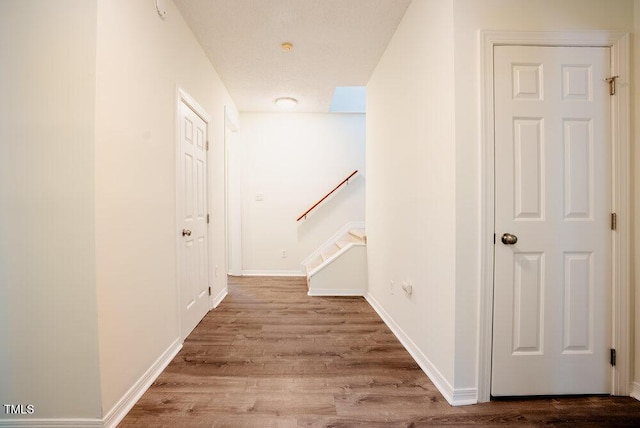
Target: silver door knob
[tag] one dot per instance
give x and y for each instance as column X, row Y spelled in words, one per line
column 509, row 239
column 186, row 232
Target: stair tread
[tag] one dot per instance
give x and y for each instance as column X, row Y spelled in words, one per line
column 358, row 234
column 317, row 261
column 342, row 243
column 330, row 251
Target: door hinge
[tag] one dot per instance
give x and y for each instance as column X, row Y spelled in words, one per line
column 206, row 145
column 209, row 291
column 612, row 357
column 207, row 218
column 612, row 84
column 494, row 239
column 614, row 221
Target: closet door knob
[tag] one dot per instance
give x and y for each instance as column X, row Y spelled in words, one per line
column 509, row 239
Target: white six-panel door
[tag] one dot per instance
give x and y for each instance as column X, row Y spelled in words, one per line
column 192, row 220
column 552, row 291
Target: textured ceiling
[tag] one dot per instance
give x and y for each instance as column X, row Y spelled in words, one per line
column 336, row 43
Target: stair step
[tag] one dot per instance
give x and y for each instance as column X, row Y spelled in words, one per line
column 359, row 234
column 330, row 252
column 342, row 243
column 317, row 261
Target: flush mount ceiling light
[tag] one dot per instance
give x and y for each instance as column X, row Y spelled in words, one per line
column 287, row 47
column 286, row 102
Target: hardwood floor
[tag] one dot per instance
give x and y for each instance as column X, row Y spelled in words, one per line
column 270, row 356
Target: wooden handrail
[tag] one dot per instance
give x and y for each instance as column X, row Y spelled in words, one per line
column 327, row 195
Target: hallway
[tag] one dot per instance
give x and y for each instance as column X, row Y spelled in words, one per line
column 270, row 356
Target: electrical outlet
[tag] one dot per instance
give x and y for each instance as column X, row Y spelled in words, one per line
column 216, row 271
column 284, row 254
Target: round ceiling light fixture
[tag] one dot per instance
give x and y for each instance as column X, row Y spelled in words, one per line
column 287, row 47
column 286, row 102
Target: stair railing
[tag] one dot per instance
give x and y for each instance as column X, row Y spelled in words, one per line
column 343, row 182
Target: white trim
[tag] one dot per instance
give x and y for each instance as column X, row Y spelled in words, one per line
column 257, row 272
column 460, row 397
column 126, row 403
column 619, row 43
column 191, row 102
column 46, row 423
column 464, row 396
column 233, row 241
column 220, row 297
column 635, row 390
column 231, row 121
column 621, row 125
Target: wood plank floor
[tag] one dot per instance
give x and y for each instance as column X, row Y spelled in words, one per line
column 270, row 356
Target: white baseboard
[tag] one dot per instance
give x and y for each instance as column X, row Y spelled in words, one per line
column 273, row 273
column 126, row 403
column 635, row 390
column 46, row 423
column 464, row 396
column 220, row 297
column 459, row 397
column 328, row 292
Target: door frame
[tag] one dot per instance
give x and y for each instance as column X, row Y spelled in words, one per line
column 233, row 264
column 183, row 97
column 620, row 127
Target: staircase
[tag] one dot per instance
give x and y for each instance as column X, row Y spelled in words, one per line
column 339, row 267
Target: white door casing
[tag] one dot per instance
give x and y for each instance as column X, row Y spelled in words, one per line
column 620, row 113
column 233, row 197
column 192, row 211
column 552, row 292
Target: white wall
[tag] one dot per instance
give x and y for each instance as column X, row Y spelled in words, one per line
column 470, row 17
column 424, row 122
column 292, row 160
column 410, row 206
column 141, row 60
column 48, row 319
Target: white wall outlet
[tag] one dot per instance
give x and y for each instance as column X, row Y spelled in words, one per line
column 259, row 197
column 284, row 254
column 216, row 271
column 407, row 288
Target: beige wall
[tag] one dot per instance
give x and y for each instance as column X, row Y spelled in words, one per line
column 88, row 294
column 48, row 319
column 410, row 197
column 409, row 94
column 87, row 162
column 292, row 160
column 141, row 60
column 472, row 16
column 506, row 15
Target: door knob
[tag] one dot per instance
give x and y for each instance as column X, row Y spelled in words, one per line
column 186, row 232
column 509, row 239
